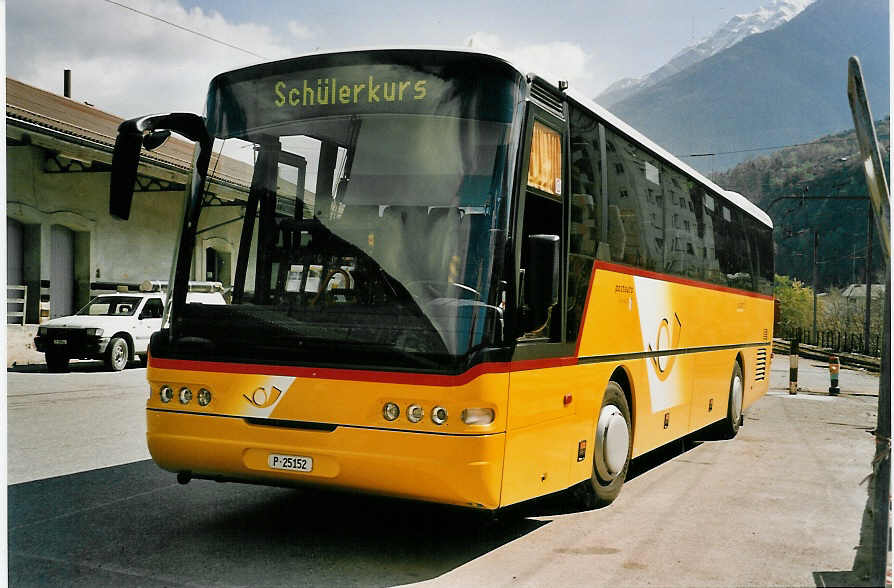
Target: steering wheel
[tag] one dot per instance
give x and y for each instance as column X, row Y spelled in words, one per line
column 325, row 283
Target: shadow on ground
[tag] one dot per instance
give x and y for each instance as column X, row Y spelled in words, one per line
column 81, row 366
column 133, row 524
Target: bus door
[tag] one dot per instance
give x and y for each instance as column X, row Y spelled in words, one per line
column 537, row 453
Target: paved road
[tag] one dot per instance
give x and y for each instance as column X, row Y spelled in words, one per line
column 67, row 423
column 779, row 505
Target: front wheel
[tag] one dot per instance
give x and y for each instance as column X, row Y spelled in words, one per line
column 117, row 354
column 612, row 449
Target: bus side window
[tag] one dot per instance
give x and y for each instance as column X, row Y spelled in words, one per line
column 636, row 205
column 586, row 201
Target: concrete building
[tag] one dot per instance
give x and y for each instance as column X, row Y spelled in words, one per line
column 63, row 247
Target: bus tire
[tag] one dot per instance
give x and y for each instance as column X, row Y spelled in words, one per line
column 117, row 354
column 612, row 449
column 729, row 426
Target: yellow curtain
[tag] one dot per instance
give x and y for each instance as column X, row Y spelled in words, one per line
column 545, row 169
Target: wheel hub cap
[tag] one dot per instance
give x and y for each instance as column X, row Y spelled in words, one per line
column 736, row 400
column 612, row 443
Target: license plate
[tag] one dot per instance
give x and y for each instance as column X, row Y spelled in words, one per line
column 60, row 341
column 293, row 463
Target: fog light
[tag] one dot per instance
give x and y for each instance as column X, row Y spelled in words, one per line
column 414, row 413
column 204, row 397
column 166, row 394
column 439, row 415
column 390, row 411
column 478, row 416
column 185, row 395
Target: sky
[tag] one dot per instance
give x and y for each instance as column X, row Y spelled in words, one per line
column 129, row 64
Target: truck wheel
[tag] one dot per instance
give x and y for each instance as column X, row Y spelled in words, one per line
column 56, row 363
column 612, row 449
column 117, row 354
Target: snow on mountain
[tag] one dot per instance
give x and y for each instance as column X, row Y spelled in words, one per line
column 737, row 28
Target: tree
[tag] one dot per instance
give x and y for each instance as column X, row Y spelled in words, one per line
column 795, row 303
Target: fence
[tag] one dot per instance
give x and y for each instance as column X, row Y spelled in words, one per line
column 13, row 301
column 834, row 340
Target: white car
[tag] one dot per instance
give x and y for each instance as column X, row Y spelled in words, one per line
column 113, row 327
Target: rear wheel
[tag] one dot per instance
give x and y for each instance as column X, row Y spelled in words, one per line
column 729, row 426
column 117, row 354
column 612, row 449
column 57, row 363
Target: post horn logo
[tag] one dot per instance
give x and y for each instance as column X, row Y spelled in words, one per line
column 665, row 340
column 262, row 398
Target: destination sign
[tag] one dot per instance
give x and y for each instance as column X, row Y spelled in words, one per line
column 241, row 106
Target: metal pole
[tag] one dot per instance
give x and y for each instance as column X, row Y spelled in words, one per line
column 868, row 313
column 815, row 266
column 881, row 204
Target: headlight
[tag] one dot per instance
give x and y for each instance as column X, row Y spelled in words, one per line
column 94, row 332
column 414, row 413
column 166, row 394
column 439, row 415
column 478, row 416
column 204, row 397
column 41, row 330
column 390, row 411
column 185, row 395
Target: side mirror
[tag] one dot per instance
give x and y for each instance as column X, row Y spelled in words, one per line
column 541, row 279
column 149, row 132
column 125, row 160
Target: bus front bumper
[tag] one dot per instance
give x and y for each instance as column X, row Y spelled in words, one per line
column 464, row 470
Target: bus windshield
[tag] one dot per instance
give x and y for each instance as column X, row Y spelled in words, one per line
column 377, row 203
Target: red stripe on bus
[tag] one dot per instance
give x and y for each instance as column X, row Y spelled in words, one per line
column 633, row 271
column 384, row 377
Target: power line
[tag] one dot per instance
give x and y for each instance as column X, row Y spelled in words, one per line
column 183, row 28
column 772, row 147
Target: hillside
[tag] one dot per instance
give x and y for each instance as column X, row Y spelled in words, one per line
column 737, row 28
column 780, row 87
column 828, row 166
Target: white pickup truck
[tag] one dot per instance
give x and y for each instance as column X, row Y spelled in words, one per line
column 114, row 327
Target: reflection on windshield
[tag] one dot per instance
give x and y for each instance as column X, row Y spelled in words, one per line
column 111, row 306
column 361, row 230
column 392, row 247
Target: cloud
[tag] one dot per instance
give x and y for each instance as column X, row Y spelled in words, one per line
column 557, row 60
column 126, row 63
column 300, row 31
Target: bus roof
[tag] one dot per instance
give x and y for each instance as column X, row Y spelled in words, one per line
column 734, row 197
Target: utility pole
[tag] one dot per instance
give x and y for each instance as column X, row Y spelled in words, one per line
column 868, row 314
column 815, row 280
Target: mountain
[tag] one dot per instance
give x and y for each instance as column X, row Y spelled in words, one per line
column 823, row 171
column 737, row 28
column 780, row 87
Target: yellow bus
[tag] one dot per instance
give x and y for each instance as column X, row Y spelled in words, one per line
column 451, row 281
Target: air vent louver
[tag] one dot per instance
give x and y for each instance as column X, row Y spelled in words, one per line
column 547, row 100
column 760, row 365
